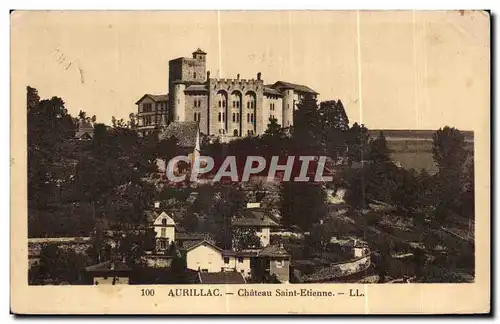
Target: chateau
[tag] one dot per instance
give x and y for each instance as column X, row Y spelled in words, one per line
column 227, row 108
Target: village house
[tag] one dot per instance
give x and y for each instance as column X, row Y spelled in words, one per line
column 84, row 130
column 274, row 260
column 205, row 256
column 111, row 272
column 257, row 219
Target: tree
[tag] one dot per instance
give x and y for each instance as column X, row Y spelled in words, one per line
column 358, row 140
column 449, row 149
column 302, row 204
column 273, row 128
column 378, row 150
column 307, row 128
column 178, row 267
column 245, row 239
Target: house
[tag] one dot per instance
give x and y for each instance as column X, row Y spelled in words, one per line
column 353, row 246
column 256, row 219
column 275, row 260
column 152, row 113
column 108, row 273
column 205, row 256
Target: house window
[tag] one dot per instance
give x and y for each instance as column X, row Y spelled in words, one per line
column 240, row 260
column 163, row 245
column 280, row 264
column 204, row 270
column 146, row 107
column 242, row 271
column 164, row 221
column 226, row 260
column 163, row 232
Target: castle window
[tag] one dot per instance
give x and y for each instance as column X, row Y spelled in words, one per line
column 220, row 103
column 237, row 117
column 234, row 117
column 237, row 104
column 235, row 132
column 248, row 105
column 195, row 115
column 248, row 118
column 224, row 104
column 194, row 75
column 224, row 117
column 220, row 117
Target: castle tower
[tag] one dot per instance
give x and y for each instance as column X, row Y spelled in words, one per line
column 178, row 101
column 288, row 108
column 184, row 71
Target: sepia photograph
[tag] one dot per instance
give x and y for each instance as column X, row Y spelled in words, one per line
column 239, row 155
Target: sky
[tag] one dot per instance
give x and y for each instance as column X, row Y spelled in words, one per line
column 391, row 69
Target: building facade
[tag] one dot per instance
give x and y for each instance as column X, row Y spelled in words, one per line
column 228, row 108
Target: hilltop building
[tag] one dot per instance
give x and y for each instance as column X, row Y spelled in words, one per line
column 228, row 108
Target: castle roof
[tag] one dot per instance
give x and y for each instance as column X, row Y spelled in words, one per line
column 268, row 90
column 282, row 85
column 155, row 98
column 197, row 87
column 186, row 133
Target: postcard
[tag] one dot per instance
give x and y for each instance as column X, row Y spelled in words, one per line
column 250, row 162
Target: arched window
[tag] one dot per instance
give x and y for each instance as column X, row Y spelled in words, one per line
column 222, row 98
column 235, row 132
column 250, row 98
column 236, row 99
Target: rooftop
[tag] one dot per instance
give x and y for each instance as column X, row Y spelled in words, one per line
column 155, row 98
column 274, row 251
column 108, row 266
column 230, row 277
column 280, row 85
column 186, row 133
column 254, row 217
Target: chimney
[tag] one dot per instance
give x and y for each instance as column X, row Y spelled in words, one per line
column 258, row 76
